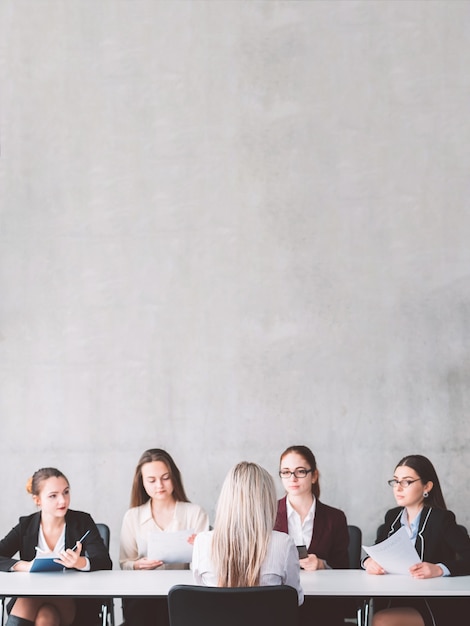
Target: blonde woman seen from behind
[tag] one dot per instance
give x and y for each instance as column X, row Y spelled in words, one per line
column 243, row 550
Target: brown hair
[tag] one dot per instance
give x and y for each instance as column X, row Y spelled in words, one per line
column 139, row 495
column 33, row 485
column 308, row 455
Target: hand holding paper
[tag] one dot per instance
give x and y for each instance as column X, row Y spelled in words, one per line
column 372, row 567
column 147, row 564
column 396, row 554
column 171, row 547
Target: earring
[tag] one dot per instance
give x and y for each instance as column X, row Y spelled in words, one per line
column 425, row 494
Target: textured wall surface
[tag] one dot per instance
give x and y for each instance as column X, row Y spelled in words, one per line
column 228, row 227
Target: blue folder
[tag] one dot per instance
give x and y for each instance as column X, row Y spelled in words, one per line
column 46, row 564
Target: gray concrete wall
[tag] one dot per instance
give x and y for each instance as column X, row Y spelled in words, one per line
column 227, row 227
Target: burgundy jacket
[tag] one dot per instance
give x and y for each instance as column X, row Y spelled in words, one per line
column 330, row 539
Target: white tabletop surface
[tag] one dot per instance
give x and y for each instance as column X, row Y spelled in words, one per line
column 118, row 583
column 358, row 583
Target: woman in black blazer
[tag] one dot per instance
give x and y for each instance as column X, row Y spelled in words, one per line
column 54, row 530
column 442, row 545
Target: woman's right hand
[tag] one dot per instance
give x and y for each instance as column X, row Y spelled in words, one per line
column 372, row 567
column 22, row 566
column 145, row 563
column 312, row 563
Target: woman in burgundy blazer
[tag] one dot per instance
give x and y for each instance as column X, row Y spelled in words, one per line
column 321, row 528
column 330, row 538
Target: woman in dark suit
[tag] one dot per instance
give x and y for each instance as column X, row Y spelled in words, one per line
column 442, row 545
column 320, row 528
column 55, row 530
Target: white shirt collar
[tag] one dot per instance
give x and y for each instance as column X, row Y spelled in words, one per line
column 300, row 532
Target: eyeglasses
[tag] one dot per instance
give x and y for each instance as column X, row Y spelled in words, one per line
column 299, row 472
column 402, row 483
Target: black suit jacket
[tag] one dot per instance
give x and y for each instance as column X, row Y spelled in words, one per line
column 439, row 539
column 23, row 538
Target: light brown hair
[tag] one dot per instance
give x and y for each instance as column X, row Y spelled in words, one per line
column 33, row 485
column 139, row 495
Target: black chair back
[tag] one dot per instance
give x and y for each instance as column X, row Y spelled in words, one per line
column 107, row 605
column 194, row 605
column 104, row 531
column 355, row 547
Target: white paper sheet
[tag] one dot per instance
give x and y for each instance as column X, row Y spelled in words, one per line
column 396, row 554
column 171, row 547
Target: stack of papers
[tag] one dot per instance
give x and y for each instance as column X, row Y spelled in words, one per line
column 396, row 554
column 170, row 547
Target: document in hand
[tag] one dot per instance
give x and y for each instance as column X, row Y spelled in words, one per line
column 46, row 564
column 395, row 554
column 170, row 547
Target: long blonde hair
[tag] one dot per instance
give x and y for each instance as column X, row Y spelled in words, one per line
column 244, row 521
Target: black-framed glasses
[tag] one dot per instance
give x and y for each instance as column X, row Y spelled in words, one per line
column 403, row 483
column 299, row 472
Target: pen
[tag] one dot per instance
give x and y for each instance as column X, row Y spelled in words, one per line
column 81, row 539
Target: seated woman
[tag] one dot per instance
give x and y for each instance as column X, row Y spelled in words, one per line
column 243, row 550
column 158, row 505
column 320, row 528
column 54, row 530
column 443, row 546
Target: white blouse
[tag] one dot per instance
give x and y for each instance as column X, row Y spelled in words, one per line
column 280, row 567
column 42, row 549
column 138, row 523
column 302, row 533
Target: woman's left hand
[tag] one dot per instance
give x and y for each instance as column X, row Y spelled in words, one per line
column 312, row 563
column 191, row 539
column 71, row 558
column 425, row 570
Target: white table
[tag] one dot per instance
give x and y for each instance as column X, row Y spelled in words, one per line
column 330, row 583
column 363, row 587
column 101, row 584
column 119, row 583
column 359, row 584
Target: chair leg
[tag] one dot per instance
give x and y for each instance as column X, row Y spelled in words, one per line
column 363, row 613
column 359, row 616
column 104, row 615
column 367, row 611
column 107, row 613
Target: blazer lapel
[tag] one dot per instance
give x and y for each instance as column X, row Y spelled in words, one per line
column 31, row 535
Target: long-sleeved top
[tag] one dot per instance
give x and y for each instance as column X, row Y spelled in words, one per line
column 138, row 523
column 330, row 538
column 23, row 538
column 280, row 567
column 439, row 539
